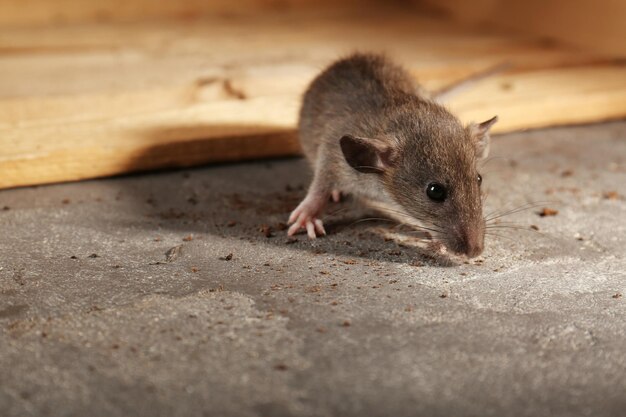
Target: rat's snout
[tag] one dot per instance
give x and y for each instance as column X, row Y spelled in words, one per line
column 469, row 241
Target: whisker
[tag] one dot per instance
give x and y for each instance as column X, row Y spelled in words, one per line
column 523, row 207
column 500, row 236
column 510, row 227
column 493, row 158
column 372, row 219
column 414, row 218
column 499, row 211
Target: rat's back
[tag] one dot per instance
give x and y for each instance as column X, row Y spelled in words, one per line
column 351, row 95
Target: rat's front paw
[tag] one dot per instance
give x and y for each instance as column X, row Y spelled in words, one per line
column 305, row 217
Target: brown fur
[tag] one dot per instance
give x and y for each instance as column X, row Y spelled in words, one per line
column 407, row 140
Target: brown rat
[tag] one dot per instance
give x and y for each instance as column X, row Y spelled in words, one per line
column 368, row 130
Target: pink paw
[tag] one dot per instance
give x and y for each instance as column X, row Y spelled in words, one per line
column 305, row 217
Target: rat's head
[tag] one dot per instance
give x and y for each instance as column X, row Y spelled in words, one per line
column 428, row 164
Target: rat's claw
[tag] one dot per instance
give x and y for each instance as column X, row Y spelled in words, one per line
column 294, row 215
column 301, row 218
column 336, row 195
column 293, row 229
column 319, row 227
column 310, row 229
column 314, row 227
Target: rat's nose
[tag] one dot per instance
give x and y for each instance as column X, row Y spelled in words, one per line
column 470, row 242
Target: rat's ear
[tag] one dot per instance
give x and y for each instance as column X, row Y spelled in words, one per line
column 366, row 155
column 480, row 136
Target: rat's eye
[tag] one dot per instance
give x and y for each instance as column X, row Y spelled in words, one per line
column 436, row 192
column 480, row 179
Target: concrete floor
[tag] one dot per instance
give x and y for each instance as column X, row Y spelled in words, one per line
column 120, row 296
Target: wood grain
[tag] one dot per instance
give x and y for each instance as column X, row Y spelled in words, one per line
column 90, row 100
column 593, row 25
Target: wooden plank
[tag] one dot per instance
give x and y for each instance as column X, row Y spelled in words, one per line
column 99, row 100
column 594, row 25
column 16, row 13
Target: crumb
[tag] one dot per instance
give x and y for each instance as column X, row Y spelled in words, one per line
column 73, row 257
column 334, row 303
column 534, row 227
column 188, row 238
column 280, row 367
column 94, row 255
column 393, row 281
column 616, row 295
column 173, row 253
column 324, row 273
column 194, row 269
column 266, row 230
column 346, row 323
column 408, row 308
column 313, row 289
column 548, row 212
column 65, row 201
column 611, row 195
column 6, row 208
column 219, row 288
column 157, row 239
column 416, row 263
column 567, row 173
column 231, row 223
column 349, row 261
column 227, row 257
column 321, row 329
column 443, row 296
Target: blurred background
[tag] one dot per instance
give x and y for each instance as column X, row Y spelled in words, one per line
column 103, row 87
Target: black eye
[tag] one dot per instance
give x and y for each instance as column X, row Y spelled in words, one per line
column 436, row 192
column 480, row 179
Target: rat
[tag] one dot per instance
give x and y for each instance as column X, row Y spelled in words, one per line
column 368, row 129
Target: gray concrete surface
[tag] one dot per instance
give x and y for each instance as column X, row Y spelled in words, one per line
column 97, row 320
